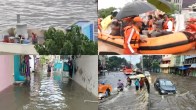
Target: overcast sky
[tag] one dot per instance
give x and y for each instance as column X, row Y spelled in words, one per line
column 133, row 58
column 102, row 4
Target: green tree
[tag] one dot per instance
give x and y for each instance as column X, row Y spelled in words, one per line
column 151, row 62
column 138, row 65
column 105, row 12
column 43, row 59
column 74, row 42
column 116, row 62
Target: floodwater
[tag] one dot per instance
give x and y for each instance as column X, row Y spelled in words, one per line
column 185, row 99
column 45, row 13
column 126, row 100
column 47, row 93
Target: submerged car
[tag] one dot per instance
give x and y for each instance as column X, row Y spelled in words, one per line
column 164, row 86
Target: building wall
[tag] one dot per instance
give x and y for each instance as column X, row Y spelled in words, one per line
column 164, row 70
column 87, row 74
column 6, row 71
column 102, row 58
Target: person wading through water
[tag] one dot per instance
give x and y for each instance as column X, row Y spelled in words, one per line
column 147, row 84
column 49, row 69
column 70, row 67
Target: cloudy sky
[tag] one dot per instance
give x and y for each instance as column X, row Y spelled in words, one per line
column 133, row 58
column 112, row 3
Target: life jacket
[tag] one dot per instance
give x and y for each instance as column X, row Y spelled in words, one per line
column 133, row 32
column 191, row 28
column 173, row 22
column 165, row 27
column 150, row 25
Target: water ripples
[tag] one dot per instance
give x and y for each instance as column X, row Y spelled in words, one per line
column 44, row 13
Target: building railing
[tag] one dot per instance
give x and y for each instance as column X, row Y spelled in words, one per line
column 164, row 65
column 190, row 56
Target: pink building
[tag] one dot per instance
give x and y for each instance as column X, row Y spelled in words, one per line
column 6, row 71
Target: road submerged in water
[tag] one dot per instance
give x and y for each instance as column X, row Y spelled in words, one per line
column 126, row 100
column 184, row 99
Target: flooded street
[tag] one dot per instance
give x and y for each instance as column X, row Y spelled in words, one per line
column 126, row 100
column 184, row 99
column 47, row 93
column 45, row 13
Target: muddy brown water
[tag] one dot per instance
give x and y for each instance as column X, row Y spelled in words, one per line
column 126, row 100
column 45, row 13
column 185, row 99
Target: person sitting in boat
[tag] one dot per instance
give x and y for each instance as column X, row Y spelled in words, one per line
column 150, row 23
column 191, row 25
column 115, row 27
column 132, row 36
column 99, row 23
column 105, row 23
column 167, row 25
column 158, row 28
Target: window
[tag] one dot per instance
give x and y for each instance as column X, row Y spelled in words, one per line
column 166, row 83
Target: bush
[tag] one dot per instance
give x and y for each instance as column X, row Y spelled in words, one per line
column 105, row 12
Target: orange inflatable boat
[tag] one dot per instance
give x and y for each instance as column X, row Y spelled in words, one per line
column 167, row 44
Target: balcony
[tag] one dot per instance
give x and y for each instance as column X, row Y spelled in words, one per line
column 164, row 65
column 190, row 56
column 13, row 48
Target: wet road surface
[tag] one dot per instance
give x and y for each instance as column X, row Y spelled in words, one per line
column 184, row 99
column 126, row 100
column 45, row 13
column 47, row 93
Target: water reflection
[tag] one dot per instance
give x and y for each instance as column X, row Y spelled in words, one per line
column 47, row 93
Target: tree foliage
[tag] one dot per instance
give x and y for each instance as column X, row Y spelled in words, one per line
column 105, row 12
column 152, row 62
column 44, row 59
column 138, row 65
column 72, row 43
column 116, row 62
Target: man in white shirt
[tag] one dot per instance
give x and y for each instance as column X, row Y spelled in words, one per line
column 170, row 26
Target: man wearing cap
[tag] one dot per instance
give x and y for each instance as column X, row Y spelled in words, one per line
column 132, row 36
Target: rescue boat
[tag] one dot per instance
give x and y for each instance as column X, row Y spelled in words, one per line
column 167, row 44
